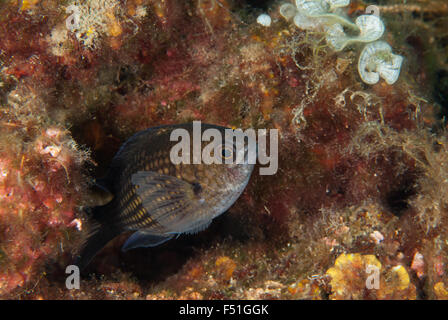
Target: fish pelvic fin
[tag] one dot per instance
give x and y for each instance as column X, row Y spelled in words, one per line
column 145, row 239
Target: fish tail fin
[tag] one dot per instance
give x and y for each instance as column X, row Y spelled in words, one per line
column 99, row 235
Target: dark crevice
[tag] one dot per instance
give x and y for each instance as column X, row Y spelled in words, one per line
column 397, row 199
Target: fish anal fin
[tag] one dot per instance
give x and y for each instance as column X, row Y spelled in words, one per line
column 199, row 227
column 98, row 238
column 144, row 239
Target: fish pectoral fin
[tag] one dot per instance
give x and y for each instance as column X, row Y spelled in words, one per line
column 144, row 239
column 173, row 203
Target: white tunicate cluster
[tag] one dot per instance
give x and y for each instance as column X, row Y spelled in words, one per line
column 328, row 16
column 315, row 14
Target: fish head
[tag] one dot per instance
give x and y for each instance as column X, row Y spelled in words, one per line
column 222, row 182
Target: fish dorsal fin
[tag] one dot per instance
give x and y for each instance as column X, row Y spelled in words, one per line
column 144, row 239
column 173, row 203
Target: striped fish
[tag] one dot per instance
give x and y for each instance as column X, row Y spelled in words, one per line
column 157, row 199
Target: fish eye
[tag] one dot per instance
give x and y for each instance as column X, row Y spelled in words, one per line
column 226, row 152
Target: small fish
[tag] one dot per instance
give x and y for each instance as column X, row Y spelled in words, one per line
column 146, row 193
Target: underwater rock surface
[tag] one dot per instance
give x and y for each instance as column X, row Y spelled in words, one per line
column 362, row 168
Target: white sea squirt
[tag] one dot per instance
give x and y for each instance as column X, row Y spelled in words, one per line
column 264, row 19
column 377, row 60
column 288, row 11
column 371, row 28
